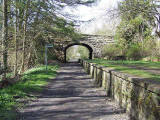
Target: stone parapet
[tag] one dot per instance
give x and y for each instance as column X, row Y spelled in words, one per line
column 139, row 96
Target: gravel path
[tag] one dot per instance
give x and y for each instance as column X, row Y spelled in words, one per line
column 72, row 96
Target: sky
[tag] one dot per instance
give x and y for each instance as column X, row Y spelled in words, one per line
column 92, row 18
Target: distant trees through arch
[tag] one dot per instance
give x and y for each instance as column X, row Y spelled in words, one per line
column 74, row 52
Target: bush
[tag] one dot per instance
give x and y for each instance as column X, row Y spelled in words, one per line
column 134, row 52
column 110, row 51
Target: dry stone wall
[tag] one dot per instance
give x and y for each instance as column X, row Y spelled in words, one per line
column 139, row 96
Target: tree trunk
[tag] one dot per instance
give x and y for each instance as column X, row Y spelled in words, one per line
column 16, row 41
column 4, row 38
column 24, row 38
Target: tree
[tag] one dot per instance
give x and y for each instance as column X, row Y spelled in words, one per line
column 135, row 28
column 16, row 40
column 24, row 35
column 4, row 38
column 129, row 9
column 32, row 24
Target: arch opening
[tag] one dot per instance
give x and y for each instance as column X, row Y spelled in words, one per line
column 76, row 51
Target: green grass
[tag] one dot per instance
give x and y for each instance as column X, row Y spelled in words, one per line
column 125, row 66
column 31, row 82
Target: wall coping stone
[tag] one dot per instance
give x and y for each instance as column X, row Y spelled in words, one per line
column 107, row 69
column 99, row 66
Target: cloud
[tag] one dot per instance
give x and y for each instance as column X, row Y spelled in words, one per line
column 95, row 13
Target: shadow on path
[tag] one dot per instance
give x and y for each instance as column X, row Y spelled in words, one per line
column 72, row 96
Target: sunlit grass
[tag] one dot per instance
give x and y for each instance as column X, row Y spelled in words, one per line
column 126, row 67
column 32, row 81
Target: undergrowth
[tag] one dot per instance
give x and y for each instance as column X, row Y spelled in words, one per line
column 32, row 81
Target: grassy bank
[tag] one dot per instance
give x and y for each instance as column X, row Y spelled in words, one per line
column 32, row 81
column 137, row 68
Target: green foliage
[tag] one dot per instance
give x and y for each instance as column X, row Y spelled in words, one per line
column 133, row 36
column 77, row 52
column 110, row 51
column 62, row 27
column 42, row 24
column 32, row 81
column 133, row 30
column 84, row 52
column 59, row 30
column 130, row 9
column 134, row 52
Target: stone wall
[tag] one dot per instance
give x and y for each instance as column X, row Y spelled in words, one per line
column 139, row 96
column 95, row 42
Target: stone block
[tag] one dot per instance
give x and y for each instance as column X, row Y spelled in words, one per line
column 91, row 70
column 95, row 72
column 98, row 79
column 139, row 96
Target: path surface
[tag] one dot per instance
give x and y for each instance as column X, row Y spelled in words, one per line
column 72, row 96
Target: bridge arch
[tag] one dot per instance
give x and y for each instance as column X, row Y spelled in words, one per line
column 81, row 44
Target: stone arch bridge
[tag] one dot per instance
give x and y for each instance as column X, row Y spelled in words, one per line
column 94, row 43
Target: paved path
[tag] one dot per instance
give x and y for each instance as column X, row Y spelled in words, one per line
column 72, row 96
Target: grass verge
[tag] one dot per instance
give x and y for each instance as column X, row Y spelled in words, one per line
column 32, row 81
column 137, row 68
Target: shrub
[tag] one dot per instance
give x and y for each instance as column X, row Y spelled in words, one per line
column 134, row 38
column 110, row 51
column 134, row 52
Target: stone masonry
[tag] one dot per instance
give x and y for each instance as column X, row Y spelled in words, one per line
column 94, row 43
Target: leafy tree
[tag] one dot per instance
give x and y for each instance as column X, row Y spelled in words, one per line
column 130, row 9
column 135, row 28
column 31, row 25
